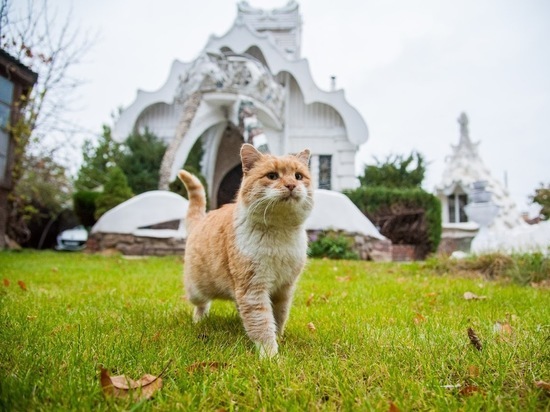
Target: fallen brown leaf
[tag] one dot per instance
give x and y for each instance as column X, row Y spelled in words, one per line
column 213, row 366
column 22, row 285
column 393, row 407
column 419, row 318
column 474, row 339
column 502, row 328
column 469, row 390
column 121, row 386
column 310, row 299
column 543, row 385
column 326, row 296
column 311, row 326
column 6, row 282
column 473, row 371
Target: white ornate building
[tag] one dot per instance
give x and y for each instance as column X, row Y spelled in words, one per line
column 464, row 167
column 250, row 84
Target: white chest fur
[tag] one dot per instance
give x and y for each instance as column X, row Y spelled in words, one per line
column 278, row 253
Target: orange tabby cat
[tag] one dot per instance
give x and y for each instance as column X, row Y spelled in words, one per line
column 251, row 251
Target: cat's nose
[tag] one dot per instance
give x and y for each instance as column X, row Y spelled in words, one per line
column 290, row 187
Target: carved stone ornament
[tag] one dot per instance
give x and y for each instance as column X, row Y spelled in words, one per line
column 232, row 73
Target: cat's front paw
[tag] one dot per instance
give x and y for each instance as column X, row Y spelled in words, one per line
column 268, row 350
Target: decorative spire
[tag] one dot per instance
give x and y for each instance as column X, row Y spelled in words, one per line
column 465, row 145
column 463, row 122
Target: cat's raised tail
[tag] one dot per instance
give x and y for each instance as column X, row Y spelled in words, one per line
column 197, row 199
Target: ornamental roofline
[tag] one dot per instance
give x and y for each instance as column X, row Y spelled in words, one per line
column 239, row 38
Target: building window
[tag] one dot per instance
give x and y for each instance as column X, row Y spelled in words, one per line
column 6, row 97
column 457, row 202
column 325, row 172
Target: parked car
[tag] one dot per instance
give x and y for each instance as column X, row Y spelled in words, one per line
column 72, row 239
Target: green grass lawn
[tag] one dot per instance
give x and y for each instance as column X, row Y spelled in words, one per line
column 361, row 336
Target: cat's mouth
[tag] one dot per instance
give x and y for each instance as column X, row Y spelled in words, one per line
column 291, row 196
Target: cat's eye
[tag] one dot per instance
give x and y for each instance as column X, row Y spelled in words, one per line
column 299, row 176
column 272, row 176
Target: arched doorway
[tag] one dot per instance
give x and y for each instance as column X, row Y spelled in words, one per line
column 230, row 185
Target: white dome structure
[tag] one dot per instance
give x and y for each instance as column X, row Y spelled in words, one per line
column 136, row 215
column 335, row 211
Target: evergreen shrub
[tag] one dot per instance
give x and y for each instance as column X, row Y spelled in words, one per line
column 422, row 229
column 84, row 206
column 332, row 245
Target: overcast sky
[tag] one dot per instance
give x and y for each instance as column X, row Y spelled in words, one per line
column 409, row 67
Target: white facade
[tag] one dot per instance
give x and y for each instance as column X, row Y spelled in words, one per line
column 258, row 62
column 464, row 167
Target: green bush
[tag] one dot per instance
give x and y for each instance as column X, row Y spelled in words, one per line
column 333, row 246
column 419, row 214
column 84, row 207
column 115, row 192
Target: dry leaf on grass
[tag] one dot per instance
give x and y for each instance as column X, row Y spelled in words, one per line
column 310, row 299
column 473, row 371
column 474, row 339
column 22, row 285
column 311, row 326
column 473, row 296
column 419, row 318
column 6, row 282
column 502, row 328
column 543, row 385
column 469, row 390
column 213, row 366
column 393, row 407
column 121, row 386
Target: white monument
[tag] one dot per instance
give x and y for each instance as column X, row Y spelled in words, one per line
column 472, row 198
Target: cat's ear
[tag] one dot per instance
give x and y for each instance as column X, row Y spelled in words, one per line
column 249, row 156
column 303, row 156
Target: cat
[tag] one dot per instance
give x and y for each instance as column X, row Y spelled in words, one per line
column 251, row 251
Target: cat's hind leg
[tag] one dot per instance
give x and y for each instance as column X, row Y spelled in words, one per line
column 201, row 303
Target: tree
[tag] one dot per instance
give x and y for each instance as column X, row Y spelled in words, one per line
column 396, row 171
column 140, row 161
column 542, row 197
column 43, row 193
column 97, row 160
column 116, row 191
column 35, row 35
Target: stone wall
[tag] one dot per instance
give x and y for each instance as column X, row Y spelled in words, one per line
column 135, row 245
column 367, row 248
column 404, row 253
